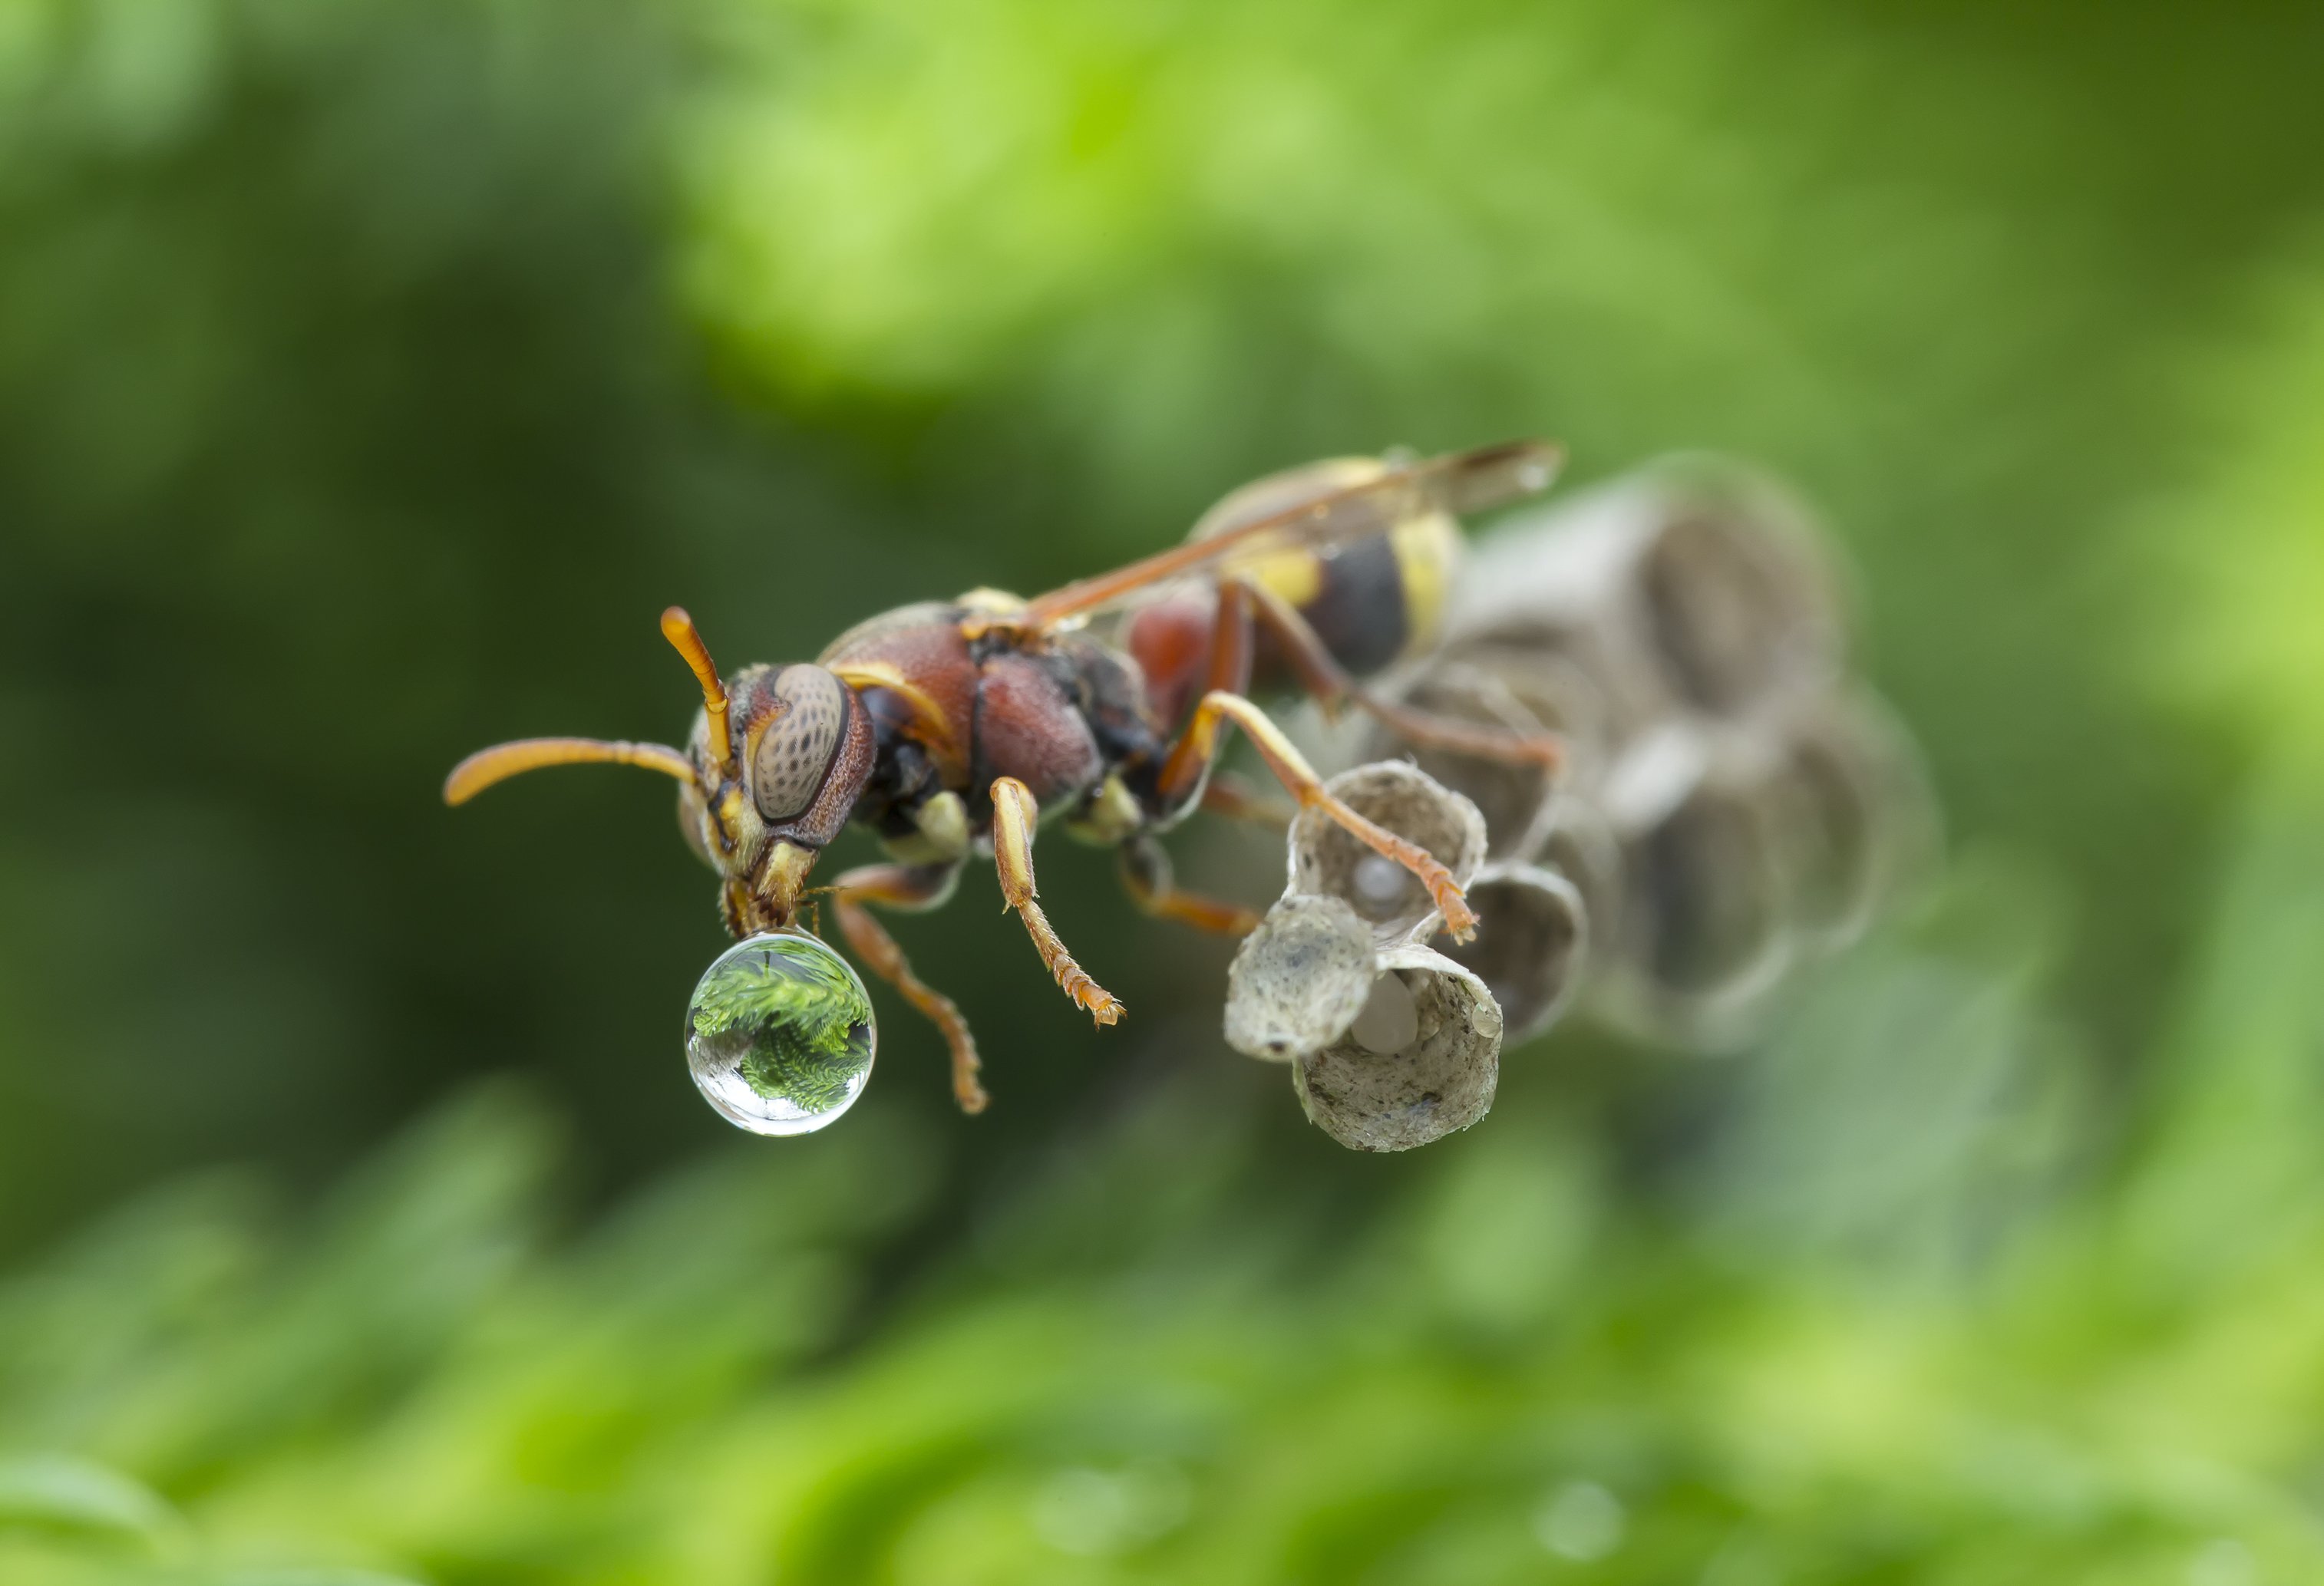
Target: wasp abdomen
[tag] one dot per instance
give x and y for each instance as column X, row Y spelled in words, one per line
column 1359, row 606
column 1374, row 601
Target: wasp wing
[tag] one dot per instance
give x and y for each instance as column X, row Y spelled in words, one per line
column 1456, row 483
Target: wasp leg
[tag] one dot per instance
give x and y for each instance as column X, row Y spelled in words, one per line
column 1013, row 816
column 1228, row 671
column 1226, row 794
column 1192, row 754
column 1146, row 877
column 1322, row 677
column 908, row 887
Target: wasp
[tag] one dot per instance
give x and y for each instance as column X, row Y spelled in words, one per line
column 954, row 729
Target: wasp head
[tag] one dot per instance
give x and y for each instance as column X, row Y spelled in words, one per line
column 768, row 776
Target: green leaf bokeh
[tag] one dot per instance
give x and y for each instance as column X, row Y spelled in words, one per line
column 371, row 374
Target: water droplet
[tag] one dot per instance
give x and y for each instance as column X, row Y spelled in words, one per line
column 779, row 1035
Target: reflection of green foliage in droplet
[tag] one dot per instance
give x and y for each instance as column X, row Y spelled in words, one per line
column 798, row 1012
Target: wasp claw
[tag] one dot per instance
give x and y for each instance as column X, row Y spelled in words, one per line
column 1091, row 998
column 1460, row 919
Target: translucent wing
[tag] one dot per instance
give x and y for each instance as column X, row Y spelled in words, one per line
column 1457, row 482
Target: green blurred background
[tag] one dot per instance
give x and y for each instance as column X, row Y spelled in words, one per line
column 371, row 374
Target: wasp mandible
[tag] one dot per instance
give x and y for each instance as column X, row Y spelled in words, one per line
column 954, row 729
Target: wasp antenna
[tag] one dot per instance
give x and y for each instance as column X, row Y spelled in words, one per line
column 481, row 769
column 679, row 630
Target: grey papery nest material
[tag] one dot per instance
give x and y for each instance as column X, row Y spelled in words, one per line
column 1692, row 586
column 1394, row 1045
column 1578, row 843
column 1299, row 981
column 1531, row 945
column 1747, row 849
column 1857, row 818
column 1329, row 860
column 1731, row 805
column 1421, row 1060
column 1496, row 687
column 1705, row 905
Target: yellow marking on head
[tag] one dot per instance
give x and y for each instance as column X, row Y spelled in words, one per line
column 727, row 816
column 781, row 879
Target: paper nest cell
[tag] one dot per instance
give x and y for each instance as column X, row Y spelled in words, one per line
column 1731, row 804
column 1734, row 803
column 1392, row 1044
column 1328, row 860
column 1421, row 1060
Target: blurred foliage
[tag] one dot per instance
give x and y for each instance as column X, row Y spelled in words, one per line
column 2243, row 538
column 371, row 374
column 1141, row 1366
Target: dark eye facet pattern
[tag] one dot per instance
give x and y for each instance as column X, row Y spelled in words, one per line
column 795, row 750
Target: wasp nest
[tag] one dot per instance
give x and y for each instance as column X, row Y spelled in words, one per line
column 1532, row 931
column 1420, row 1060
column 1301, row 978
column 1327, row 860
column 1731, row 805
column 1392, row 1044
column 1691, row 588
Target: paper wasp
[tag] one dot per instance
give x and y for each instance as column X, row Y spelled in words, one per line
column 951, row 729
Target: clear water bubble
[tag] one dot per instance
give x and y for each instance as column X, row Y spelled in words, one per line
column 780, row 1035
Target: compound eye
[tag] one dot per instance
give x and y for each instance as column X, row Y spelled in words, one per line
column 795, row 749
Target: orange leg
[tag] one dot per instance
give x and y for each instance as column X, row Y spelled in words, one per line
column 1014, row 813
column 1321, row 675
column 1227, row 671
column 904, row 887
column 1146, row 877
column 1226, row 794
column 1199, row 743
